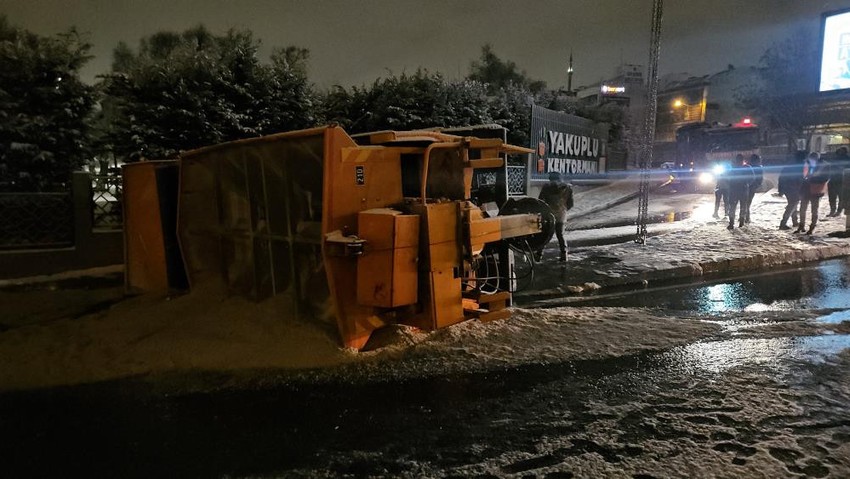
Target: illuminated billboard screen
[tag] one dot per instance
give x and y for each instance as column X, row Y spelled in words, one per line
column 835, row 62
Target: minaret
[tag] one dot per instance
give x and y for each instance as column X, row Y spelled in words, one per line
column 570, row 74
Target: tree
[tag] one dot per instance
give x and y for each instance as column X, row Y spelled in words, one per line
column 180, row 91
column 512, row 93
column 43, row 108
column 499, row 74
column 511, row 108
column 408, row 102
column 784, row 98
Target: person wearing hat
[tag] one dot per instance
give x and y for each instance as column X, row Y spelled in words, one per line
column 559, row 196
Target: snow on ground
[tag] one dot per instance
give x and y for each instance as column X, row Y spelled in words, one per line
column 533, row 337
column 694, row 246
column 153, row 335
column 664, row 415
column 150, row 334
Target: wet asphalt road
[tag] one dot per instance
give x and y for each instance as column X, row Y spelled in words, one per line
column 587, row 418
column 776, row 406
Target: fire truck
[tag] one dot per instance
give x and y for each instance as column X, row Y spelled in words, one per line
column 705, row 150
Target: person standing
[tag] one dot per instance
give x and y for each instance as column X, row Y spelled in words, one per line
column 758, row 179
column 815, row 179
column 837, row 204
column 790, row 183
column 721, row 193
column 740, row 177
column 559, row 197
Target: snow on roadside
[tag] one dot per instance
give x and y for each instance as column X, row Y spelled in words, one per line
column 533, row 337
column 153, row 335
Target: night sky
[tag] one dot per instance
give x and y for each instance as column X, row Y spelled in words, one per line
column 356, row 41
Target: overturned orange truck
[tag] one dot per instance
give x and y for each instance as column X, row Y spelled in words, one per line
column 368, row 230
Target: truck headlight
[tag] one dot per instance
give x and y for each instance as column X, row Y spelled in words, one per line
column 706, row 178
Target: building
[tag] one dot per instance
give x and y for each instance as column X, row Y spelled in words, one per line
column 627, row 88
column 710, row 99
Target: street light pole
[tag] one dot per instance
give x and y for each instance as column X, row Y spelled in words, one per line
column 649, row 122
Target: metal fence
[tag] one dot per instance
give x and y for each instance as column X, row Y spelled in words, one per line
column 36, row 220
column 517, row 180
column 106, row 202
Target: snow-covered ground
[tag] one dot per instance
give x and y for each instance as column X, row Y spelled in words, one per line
column 54, row 336
column 684, row 248
column 561, row 392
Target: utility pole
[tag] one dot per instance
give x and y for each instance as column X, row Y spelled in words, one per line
column 649, row 122
column 570, row 75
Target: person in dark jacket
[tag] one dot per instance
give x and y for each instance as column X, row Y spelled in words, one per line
column 790, row 182
column 815, row 179
column 837, row 204
column 559, row 197
column 740, row 178
column 758, row 178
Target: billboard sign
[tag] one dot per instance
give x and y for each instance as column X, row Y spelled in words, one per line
column 565, row 144
column 613, row 89
column 835, row 53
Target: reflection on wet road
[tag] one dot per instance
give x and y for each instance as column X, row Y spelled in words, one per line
column 776, row 353
column 822, row 286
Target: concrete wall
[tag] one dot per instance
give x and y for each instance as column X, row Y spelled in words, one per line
column 91, row 248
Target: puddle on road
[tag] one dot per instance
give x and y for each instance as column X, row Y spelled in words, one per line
column 836, row 317
column 776, row 353
column 825, row 285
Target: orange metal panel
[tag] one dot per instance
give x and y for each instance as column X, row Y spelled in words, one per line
column 446, row 301
column 487, row 163
column 519, row 225
column 144, row 252
column 407, row 231
column 338, row 213
column 355, row 179
column 389, row 136
column 442, row 256
column 467, row 183
column 387, row 274
column 375, row 279
column 485, row 230
column 481, row 143
column 441, row 222
column 405, row 276
column 377, row 227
